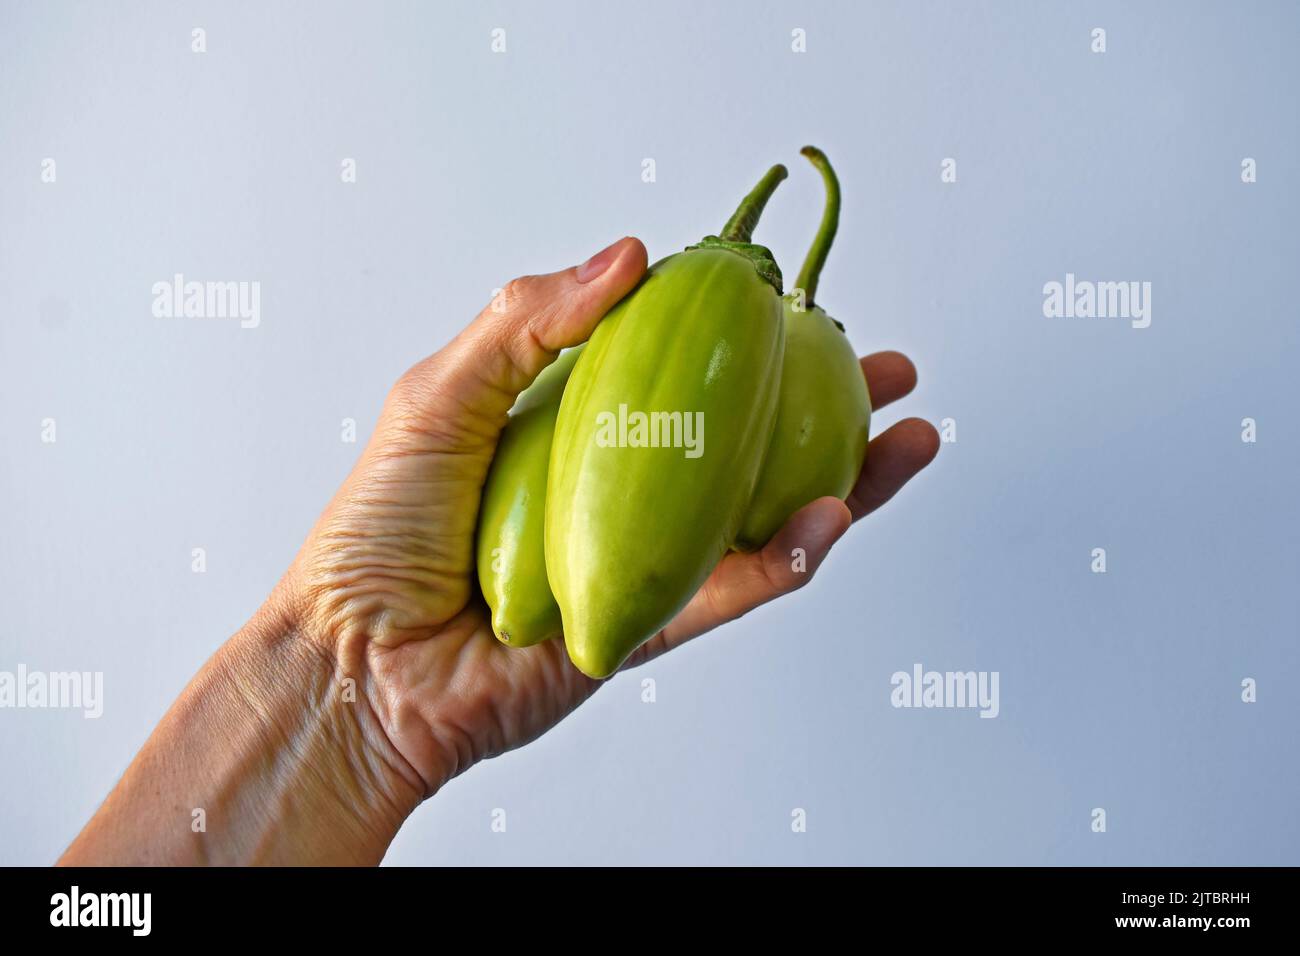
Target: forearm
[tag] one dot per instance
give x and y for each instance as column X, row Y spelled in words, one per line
column 267, row 757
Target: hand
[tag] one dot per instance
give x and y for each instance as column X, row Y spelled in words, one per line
column 387, row 577
column 371, row 675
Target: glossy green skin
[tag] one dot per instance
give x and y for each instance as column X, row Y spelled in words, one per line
column 632, row 533
column 820, row 439
column 512, row 514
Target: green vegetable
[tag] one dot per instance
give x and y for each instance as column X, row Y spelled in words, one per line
column 511, row 558
column 642, row 501
column 820, row 439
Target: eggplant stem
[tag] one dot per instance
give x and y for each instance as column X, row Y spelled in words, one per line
column 740, row 227
column 821, row 245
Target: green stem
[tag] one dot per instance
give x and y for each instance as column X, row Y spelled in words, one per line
column 812, row 266
column 740, row 227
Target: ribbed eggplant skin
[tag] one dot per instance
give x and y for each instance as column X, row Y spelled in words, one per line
column 510, row 545
column 822, row 421
column 632, row 532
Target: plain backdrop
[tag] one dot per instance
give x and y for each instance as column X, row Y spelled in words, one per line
column 1120, row 691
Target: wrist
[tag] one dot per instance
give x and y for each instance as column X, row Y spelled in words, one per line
column 269, row 756
column 336, row 791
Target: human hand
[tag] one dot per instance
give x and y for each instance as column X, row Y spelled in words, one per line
column 385, row 583
column 371, row 675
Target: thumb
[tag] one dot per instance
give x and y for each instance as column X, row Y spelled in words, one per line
column 534, row 317
column 477, row 377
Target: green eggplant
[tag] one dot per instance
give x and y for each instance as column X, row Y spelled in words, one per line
column 511, row 557
column 640, row 507
column 822, row 419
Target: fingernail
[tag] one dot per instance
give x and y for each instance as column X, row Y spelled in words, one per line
column 597, row 264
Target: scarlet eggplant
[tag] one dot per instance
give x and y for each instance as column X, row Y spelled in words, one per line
column 511, row 558
column 639, row 507
column 822, row 419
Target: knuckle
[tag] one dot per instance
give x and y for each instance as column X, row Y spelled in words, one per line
column 411, row 383
column 516, row 352
column 781, row 577
column 516, row 294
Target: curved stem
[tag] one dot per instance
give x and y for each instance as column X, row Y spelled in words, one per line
column 740, row 227
column 812, row 266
